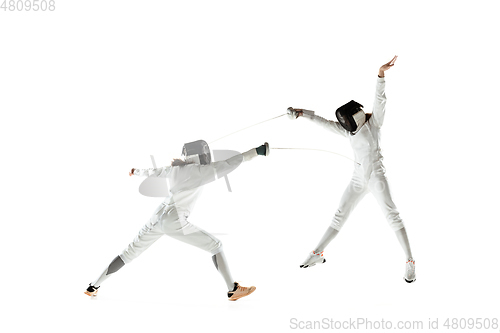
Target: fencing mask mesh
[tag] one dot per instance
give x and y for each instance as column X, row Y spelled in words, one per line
column 197, row 151
column 351, row 116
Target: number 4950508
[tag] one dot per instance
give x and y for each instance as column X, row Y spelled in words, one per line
column 28, row 5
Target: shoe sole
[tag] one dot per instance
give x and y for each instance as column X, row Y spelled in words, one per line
column 410, row 281
column 250, row 291
column 92, row 294
column 305, row 266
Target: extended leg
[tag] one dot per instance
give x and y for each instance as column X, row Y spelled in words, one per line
column 353, row 194
column 146, row 237
column 380, row 189
column 113, row 267
column 329, row 235
column 405, row 243
column 355, row 191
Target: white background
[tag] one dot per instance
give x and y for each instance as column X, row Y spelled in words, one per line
column 94, row 88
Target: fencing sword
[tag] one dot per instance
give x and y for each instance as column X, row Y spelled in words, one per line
column 308, row 112
column 326, row 151
column 247, row 128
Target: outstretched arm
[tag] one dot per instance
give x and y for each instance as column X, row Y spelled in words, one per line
column 224, row 167
column 152, row 172
column 326, row 124
column 380, row 98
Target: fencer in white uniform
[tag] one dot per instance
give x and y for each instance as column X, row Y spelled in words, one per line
column 186, row 179
column 363, row 132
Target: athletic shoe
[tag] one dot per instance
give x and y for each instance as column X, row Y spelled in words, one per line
column 313, row 259
column 239, row 292
column 91, row 290
column 410, row 275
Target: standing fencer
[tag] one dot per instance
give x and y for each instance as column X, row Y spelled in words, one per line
column 363, row 132
column 186, row 177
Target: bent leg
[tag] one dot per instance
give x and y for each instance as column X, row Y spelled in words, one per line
column 176, row 226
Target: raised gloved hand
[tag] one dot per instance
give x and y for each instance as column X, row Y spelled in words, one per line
column 263, row 150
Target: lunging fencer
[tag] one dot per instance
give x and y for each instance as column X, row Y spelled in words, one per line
column 363, row 131
column 186, row 177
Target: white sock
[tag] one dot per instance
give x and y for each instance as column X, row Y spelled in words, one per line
column 114, row 266
column 329, row 235
column 405, row 243
column 220, row 263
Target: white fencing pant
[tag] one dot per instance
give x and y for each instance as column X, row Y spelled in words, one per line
column 166, row 221
column 357, row 189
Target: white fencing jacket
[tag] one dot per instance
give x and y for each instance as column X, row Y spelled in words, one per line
column 186, row 182
column 366, row 141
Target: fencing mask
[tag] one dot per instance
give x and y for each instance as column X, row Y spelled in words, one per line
column 197, row 152
column 351, row 116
